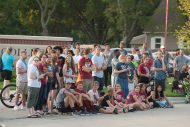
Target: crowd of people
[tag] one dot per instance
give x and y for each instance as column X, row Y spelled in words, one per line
column 81, row 81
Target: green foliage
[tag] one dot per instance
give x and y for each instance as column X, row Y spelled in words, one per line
column 89, row 21
column 183, row 33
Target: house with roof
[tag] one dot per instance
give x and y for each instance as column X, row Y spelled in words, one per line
column 154, row 30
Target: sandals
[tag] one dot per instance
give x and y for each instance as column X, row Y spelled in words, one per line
column 126, row 109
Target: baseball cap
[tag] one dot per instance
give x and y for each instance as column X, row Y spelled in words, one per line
column 162, row 47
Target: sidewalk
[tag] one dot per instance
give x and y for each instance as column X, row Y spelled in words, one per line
column 177, row 100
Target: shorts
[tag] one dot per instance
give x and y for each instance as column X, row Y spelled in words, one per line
column 33, row 95
column 87, row 84
column 22, row 87
column 6, row 74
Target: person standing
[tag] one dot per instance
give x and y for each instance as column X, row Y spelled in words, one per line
column 179, row 62
column 108, row 55
column 8, row 61
column 159, row 68
column 85, row 70
column 122, row 50
column 60, row 63
column 99, row 65
column 122, row 71
column 114, row 61
column 21, row 80
column 34, row 85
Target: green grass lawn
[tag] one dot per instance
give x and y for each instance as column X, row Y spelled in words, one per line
column 167, row 92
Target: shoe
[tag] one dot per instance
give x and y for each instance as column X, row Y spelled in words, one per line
column 16, row 108
column 23, row 107
column 115, row 111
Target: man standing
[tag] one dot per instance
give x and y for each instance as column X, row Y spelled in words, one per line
column 108, row 55
column 122, row 50
column 21, row 80
column 160, row 70
column 100, row 66
column 85, row 70
column 165, row 55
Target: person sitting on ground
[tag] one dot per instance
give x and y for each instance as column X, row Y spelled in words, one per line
column 161, row 99
column 134, row 101
column 150, row 95
column 119, row 95
column 109, row 104
column 84, row 99
column 143, row 96
column 66, row 100
column 94, row 95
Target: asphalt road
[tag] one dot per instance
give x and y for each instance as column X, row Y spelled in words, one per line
column 176, row 117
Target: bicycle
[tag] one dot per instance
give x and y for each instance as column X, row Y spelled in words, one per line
column 9, row 100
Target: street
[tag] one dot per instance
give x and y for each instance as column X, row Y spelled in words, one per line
column 176, row 117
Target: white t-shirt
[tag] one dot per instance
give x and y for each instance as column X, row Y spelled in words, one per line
column 76, row 59
column 23, row 66
column 30, row 61
column 32, row 69
column 93, row 95
column 99, row 61
column 136, row 57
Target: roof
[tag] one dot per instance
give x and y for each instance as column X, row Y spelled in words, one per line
column 156, row 22
column 48, row 38
column 139, row 39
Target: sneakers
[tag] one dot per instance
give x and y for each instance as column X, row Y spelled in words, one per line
column 16, row 108
column 23, row 107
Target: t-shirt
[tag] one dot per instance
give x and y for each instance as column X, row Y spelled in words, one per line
column 130, row 96
column 54, row 69
column 87, row 63
column 143, row 96
column 30, row 60
column 119, row 96
column 104, row 101
column 180, row 61
column 79, row 91
column 108, row 57
column 121, row 66
column 69, row 79
column 143, row 69
column 60, row 63
column 132, row 70
column 22, row 65
column 76, row 58
column 123, row 51
column 114, row 62
column 7, row 61
column 159, row 74
column 99, row 61
column 32, row 69
column 60, row 97
column 94, row 95
column 41, row 68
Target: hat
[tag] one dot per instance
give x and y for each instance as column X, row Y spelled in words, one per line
column 162, row 47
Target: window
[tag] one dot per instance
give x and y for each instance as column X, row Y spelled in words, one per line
column 157, row 42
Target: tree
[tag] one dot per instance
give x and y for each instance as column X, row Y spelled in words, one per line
column 131, row 15
column 47, row 7
column 183, row 33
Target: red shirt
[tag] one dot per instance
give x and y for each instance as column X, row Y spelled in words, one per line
column 143, row 96
column 142, row 68
column 119, row 96
column 130, row 98
column 79, row 91
column 43, row 69
column 88, row 63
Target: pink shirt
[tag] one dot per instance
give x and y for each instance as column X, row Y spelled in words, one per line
column 130, row 97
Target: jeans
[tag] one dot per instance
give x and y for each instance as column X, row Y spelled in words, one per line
column 124, row 85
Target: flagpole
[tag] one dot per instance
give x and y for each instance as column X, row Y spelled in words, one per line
column 166, row 24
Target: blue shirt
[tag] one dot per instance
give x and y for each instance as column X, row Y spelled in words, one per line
column 159, row 74
column 7, row 61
